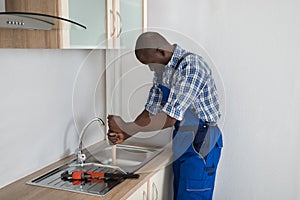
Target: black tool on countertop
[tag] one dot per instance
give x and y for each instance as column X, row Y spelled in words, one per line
column 83, row 175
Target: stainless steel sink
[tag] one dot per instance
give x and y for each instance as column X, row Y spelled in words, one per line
column 129, row 159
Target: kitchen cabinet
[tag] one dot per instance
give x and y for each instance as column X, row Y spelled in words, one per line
column 93, row 14
column 140, row 193
column 130, row 20
column 110, row 24
column 160, row 185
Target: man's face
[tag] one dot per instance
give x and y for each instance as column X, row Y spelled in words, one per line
column 153, row 62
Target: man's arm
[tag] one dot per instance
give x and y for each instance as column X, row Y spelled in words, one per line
column 146, row 122
column 143, row 123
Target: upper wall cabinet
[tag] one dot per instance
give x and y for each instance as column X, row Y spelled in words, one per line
column 130, row 20
column 109, row 24
column 93, row 14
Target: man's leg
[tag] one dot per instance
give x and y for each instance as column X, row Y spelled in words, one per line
column 197, row 177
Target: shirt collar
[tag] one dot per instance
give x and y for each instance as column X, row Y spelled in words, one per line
column 177, row 54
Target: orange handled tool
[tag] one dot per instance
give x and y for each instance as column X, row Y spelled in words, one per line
column 82, row 175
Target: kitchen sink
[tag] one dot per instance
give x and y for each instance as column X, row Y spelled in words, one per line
column 129, row 159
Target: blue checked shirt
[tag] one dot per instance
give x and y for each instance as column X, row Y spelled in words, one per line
column 191, row 86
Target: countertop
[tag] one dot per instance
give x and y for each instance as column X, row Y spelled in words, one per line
column 22, row 191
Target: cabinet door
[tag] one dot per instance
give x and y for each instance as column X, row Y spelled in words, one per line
column 93, row 14
column 139, row 194
column 130, row 20
column 161, row 185
column 132, row 16
column 110, row 23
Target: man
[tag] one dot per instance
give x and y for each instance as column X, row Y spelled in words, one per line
column 183, row 95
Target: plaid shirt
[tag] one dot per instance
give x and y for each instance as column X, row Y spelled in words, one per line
column 191, row 86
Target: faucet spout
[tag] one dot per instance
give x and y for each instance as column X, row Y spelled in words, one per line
column 79, row 155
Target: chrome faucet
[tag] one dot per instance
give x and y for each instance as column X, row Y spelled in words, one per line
column 81, row 157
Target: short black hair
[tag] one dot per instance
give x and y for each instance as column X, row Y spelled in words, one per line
column 149, row 41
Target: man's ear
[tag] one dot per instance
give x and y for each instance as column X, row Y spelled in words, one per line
column 160, row 52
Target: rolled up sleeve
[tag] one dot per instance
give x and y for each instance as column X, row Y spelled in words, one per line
column 153, row 104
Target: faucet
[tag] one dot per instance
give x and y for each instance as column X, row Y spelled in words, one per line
column 81, row 157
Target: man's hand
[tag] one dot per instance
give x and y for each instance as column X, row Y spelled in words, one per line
column 116, row 124
column 117, row 138
column 116, row 134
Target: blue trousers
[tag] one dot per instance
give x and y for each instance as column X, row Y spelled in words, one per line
column 194, row 176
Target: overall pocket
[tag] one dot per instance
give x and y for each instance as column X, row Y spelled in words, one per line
column 206, row 138
column 198, row 189
column 200, row 135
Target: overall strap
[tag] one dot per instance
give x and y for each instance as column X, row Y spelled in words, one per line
column 164, row 89
column 181, row 59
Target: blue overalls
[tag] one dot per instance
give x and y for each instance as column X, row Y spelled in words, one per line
column 197, row 149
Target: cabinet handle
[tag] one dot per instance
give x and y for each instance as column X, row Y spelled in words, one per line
column 155, row 191
column 120, row 20
column 145, row 195
column 113, row 23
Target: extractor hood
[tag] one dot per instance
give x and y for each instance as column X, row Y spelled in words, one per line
column 36, row 21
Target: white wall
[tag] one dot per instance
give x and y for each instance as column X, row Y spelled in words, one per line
column 46, row 97
column 255, row 46
column 2, row 5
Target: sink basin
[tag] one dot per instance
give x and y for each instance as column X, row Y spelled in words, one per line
column 129, row 159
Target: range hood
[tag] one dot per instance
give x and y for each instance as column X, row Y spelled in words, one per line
column 36, row 21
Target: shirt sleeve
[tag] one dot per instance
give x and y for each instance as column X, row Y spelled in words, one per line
column 191, row 79
column 153, row 104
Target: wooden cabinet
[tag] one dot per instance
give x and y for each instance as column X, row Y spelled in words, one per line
column 110, row 24
column 17, row 38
